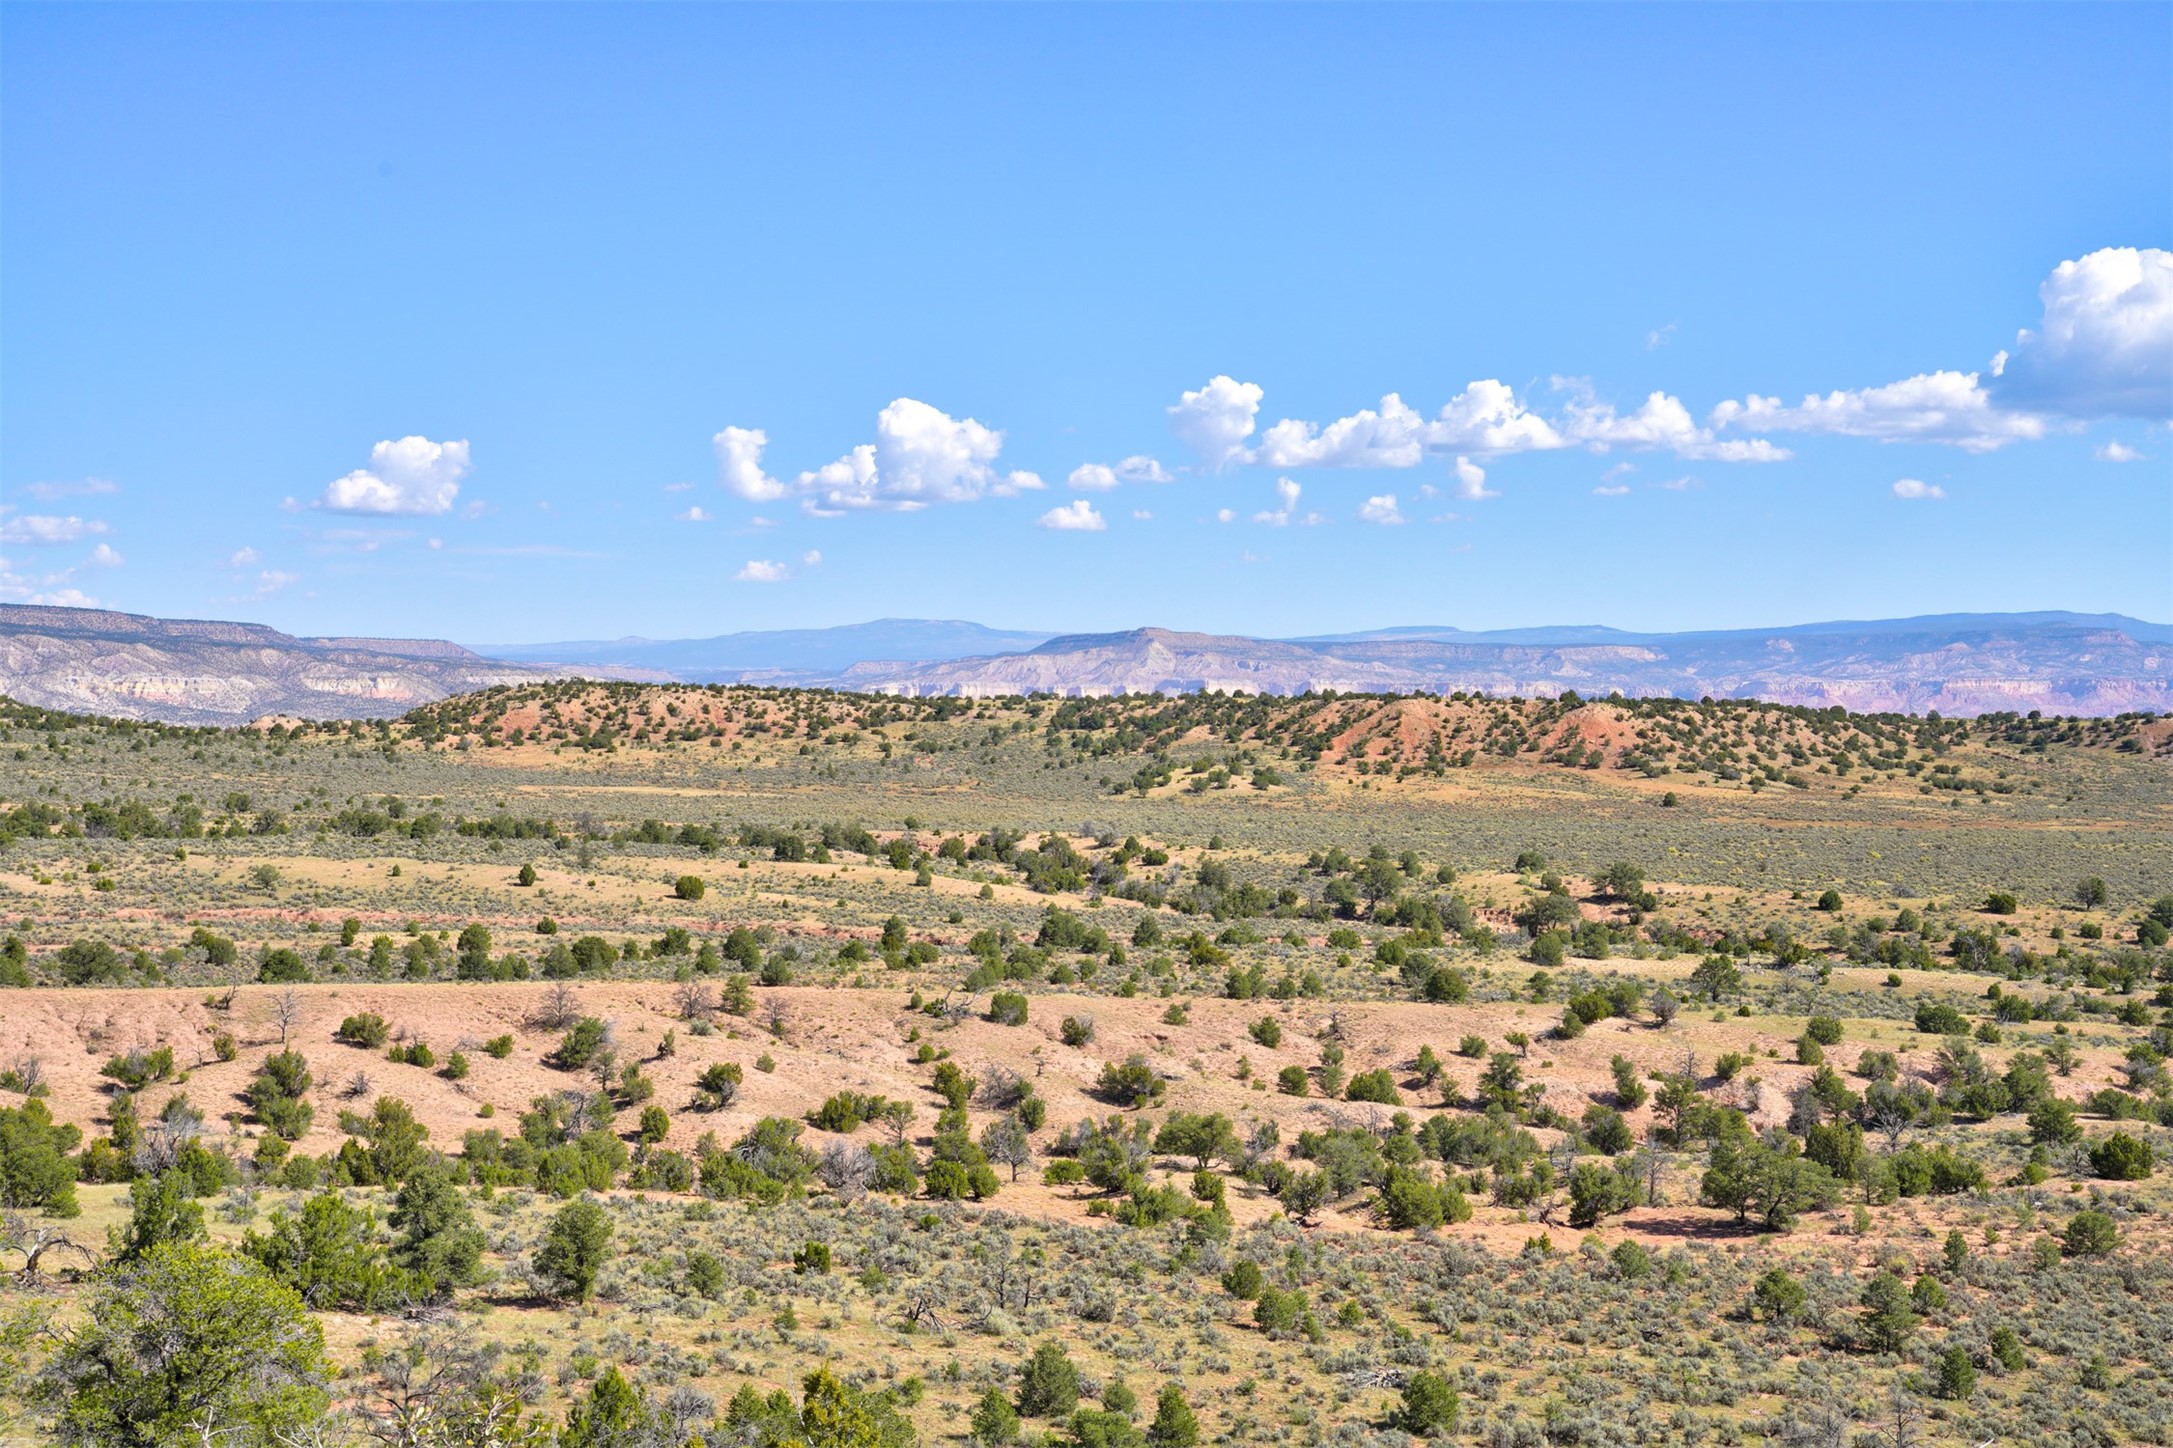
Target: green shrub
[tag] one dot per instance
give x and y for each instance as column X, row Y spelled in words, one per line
column 1133, row 1083
column 2090, row 1233
column 1377, row 1086
column 2122, row 1158
column 1430, row 1405
column 1957, row 1374
column 580, row 1045
column 1048, row 1384
column 1935, row 1018
column 367, row 1030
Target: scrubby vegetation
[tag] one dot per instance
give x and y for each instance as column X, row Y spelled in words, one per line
column 781, row 1067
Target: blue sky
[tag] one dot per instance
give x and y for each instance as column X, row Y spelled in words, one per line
column 461, row 321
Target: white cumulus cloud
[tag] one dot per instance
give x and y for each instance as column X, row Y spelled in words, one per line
column 2105, row 345
column 1076, row 516
column 739, row 464
column 240, row 558
column 1914, row 488
column 1471, row 481
column 1486, row 417
column 1391, row 437
column 1662, row 423
column 2117, row 451
column 1215, row 420
column 762, row 570
column 2104, row 348
column 921, row 455
column 1942, row 407
column 694, row 514
column 812, row 558
column 412, row 475
column 1381, row 509
column 104, row 556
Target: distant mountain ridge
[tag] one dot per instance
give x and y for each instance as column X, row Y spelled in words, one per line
column 784, row 654
column 207, row 671
column 2139, row 629
column 1957, row 664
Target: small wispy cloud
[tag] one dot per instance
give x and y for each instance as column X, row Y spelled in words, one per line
column 51, row 589
column 53, row 492
column 355, row 540
column 1100, row 477
column 1917, row 488
column 1286, row 493
column 527, row 550
column 762, row 570
column 1382, row 510
column 43, row 530
column 2118, row 452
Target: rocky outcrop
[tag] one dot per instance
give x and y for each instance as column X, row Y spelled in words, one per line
column 191, row 671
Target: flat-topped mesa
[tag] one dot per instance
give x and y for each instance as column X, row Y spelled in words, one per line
column 200, row 671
